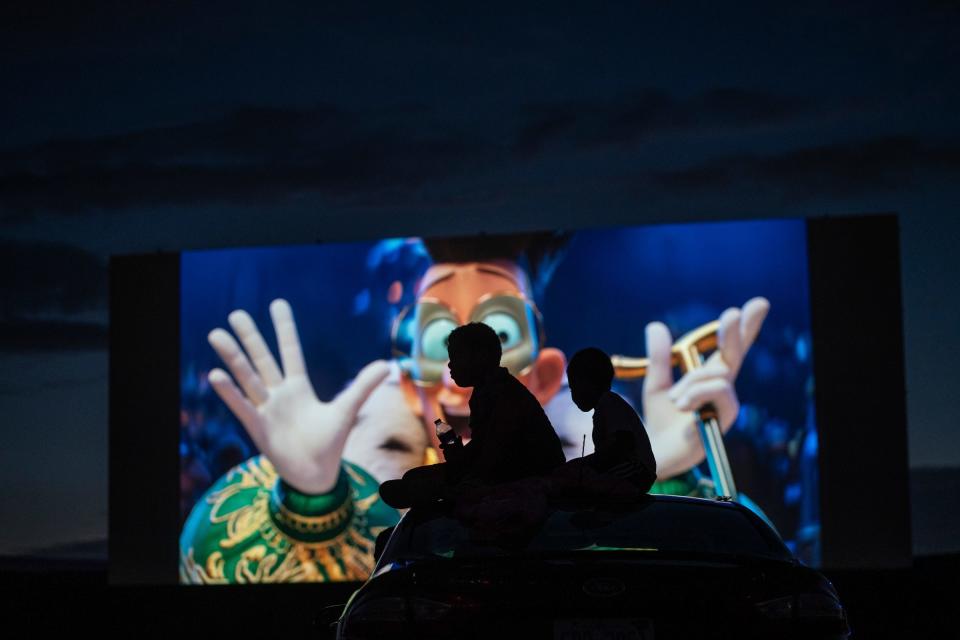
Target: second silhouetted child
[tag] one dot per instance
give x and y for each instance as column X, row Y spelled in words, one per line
column 621, row 445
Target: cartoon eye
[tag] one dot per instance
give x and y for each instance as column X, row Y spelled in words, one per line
column 433, row 339
column 506, row 327
column 395, row 444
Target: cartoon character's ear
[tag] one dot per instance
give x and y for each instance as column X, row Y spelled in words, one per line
column 546, row 375
column 411, row 395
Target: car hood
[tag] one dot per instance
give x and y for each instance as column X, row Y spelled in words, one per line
column 603, row 583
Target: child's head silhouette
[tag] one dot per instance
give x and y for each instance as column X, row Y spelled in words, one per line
column 589, row 374
column 474, row 351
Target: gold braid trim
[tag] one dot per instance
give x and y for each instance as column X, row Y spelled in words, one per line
column 193, row 573
column 316, row 524
column 245, row 521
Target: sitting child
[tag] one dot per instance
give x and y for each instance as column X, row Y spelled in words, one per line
column 621, row 445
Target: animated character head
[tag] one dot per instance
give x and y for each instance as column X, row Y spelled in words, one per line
column 489, row 280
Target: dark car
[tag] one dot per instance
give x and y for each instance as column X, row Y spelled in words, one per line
column 662, row 567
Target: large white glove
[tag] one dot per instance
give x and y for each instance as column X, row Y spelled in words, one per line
column 668, row 407
column 301, row 436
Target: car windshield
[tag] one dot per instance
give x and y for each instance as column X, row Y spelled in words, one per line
column 657, row 527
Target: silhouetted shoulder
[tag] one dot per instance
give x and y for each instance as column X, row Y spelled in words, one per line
column 617, row 412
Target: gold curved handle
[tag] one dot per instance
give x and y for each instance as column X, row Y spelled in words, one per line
column 685, row 353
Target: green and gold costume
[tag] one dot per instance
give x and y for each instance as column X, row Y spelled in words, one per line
column 251, row 527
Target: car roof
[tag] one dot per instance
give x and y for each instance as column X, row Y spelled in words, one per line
column 571, row 505
column 417, row 516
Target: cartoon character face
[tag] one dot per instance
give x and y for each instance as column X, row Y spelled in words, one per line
column 388, row 440
column 453, row 294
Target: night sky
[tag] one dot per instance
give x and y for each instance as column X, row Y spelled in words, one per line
column 144, row 126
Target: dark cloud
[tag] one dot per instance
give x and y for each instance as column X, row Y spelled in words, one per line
column 629, row 118
column 260, row 155
column 252, row 154
column 838, row 170
column 51, row 21
column 45, row 278
column 52, row 335
column 81, row 555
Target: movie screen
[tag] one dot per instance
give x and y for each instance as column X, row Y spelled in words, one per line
column 286, row 432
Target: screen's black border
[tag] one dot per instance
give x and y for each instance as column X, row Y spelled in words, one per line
column 144, row 486
column 857, row 326
column 857, row 323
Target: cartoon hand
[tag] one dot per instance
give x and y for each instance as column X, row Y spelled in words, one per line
column 302, row 437
column 668, row 407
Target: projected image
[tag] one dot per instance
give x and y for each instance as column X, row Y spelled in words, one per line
column 311, row 374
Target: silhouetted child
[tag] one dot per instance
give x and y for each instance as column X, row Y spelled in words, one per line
column 621, row 445
column 511, row 438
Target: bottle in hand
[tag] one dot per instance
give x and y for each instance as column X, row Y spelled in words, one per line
column 445, row 433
